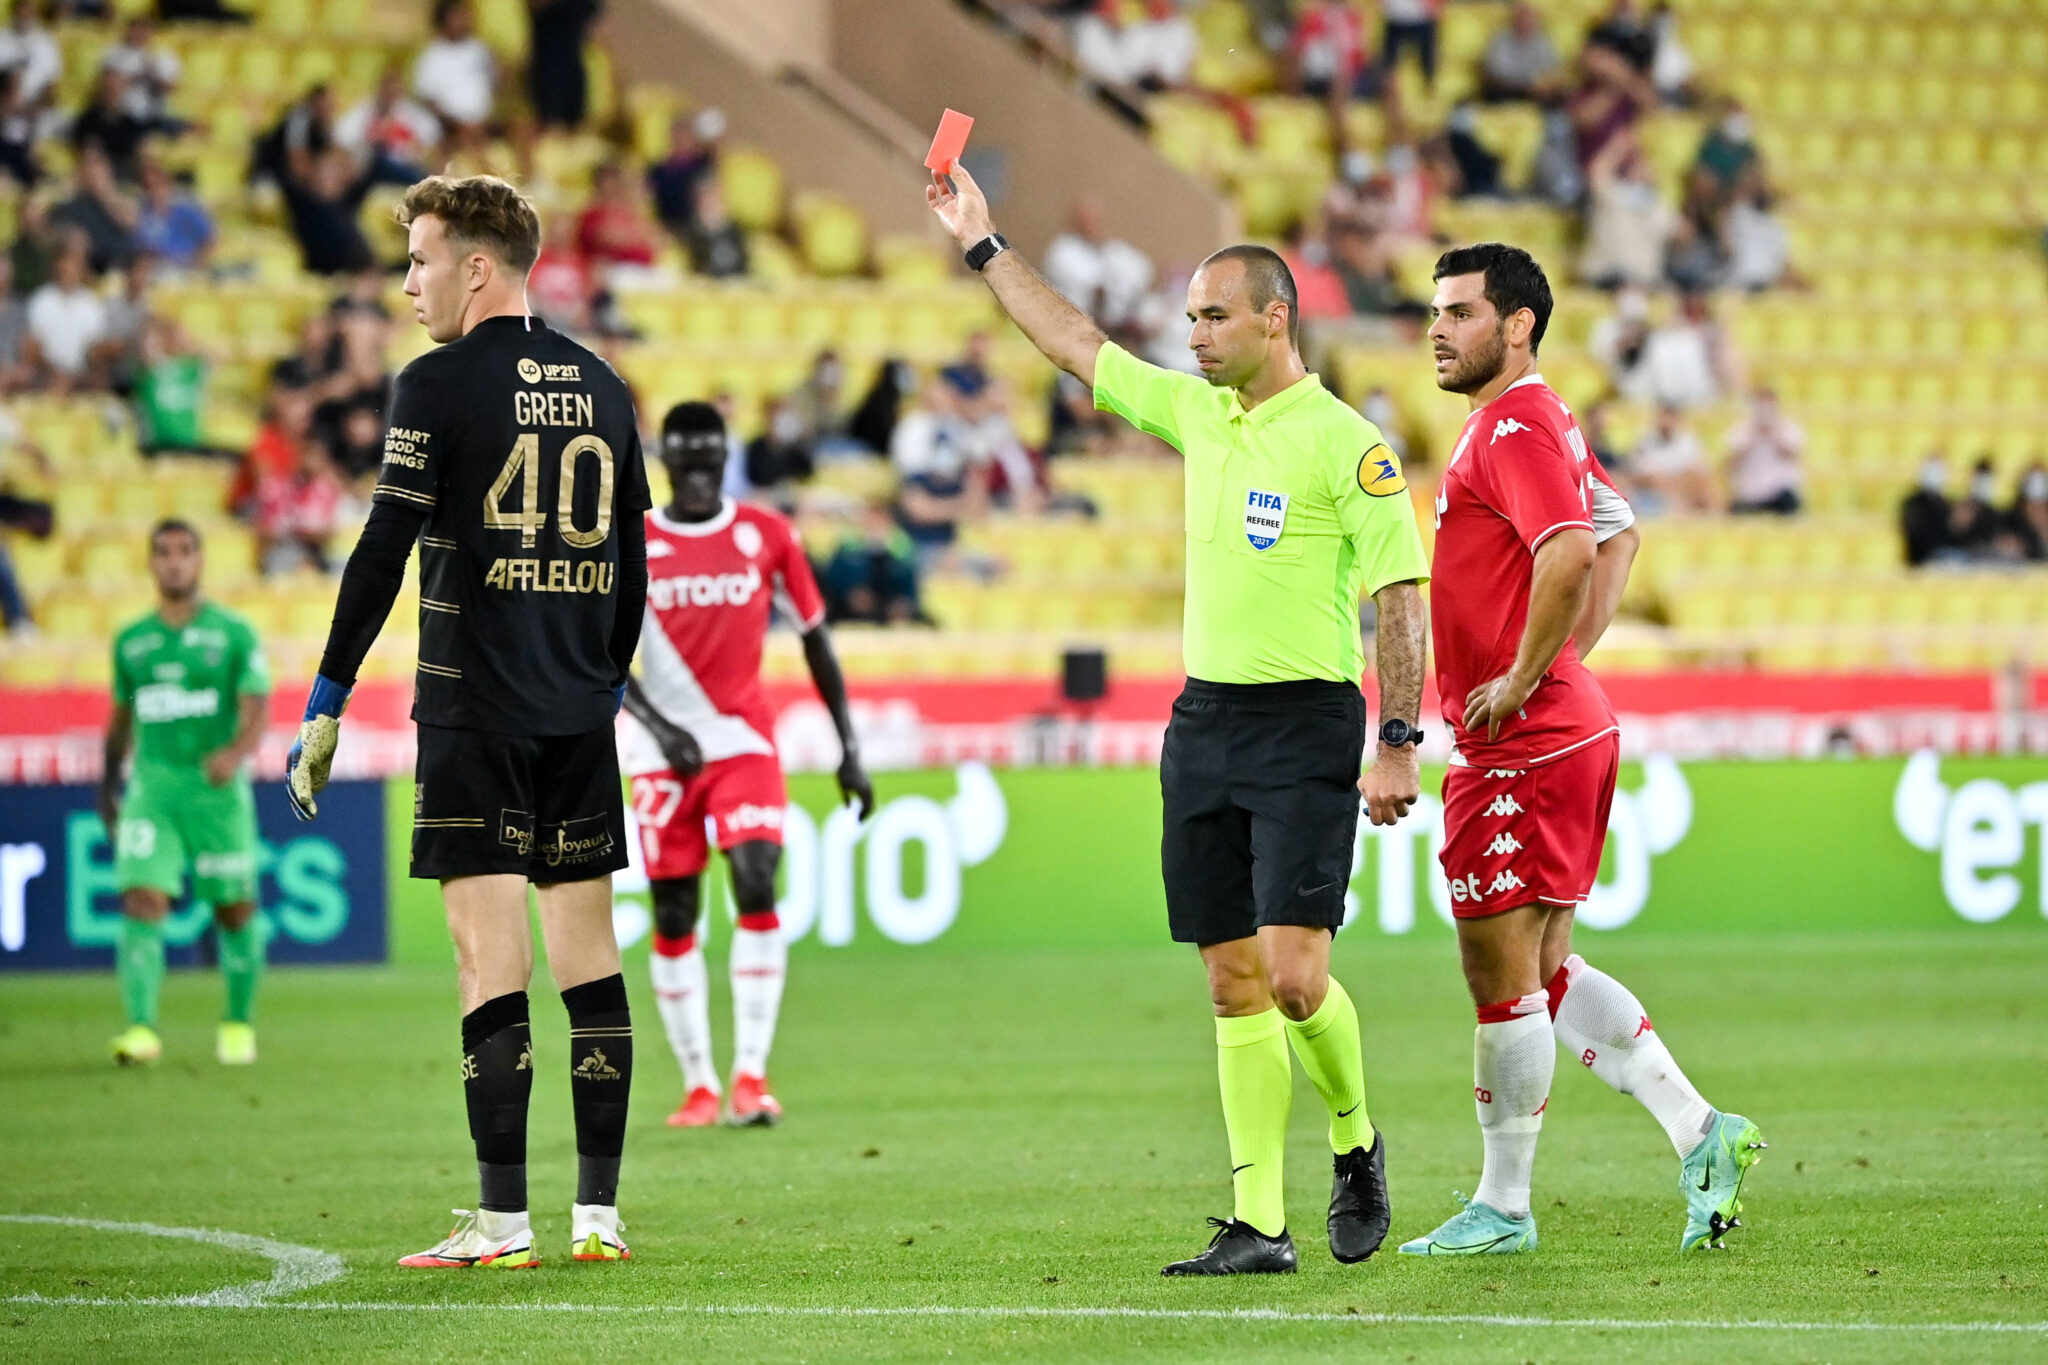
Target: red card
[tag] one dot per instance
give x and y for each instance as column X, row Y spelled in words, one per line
column 949, row 141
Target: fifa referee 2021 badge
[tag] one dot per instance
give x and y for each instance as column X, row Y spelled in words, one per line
column 1296, row 508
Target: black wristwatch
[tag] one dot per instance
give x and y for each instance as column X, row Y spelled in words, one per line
column 1394, row 732
column 986, row 250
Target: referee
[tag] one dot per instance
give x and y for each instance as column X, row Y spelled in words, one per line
column 1295, row 508
column 513, row 460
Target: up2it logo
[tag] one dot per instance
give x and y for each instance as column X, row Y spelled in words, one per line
column 529, row 369
column 1980, row 831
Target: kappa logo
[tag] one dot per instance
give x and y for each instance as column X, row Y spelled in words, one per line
column 1506, row 881
column 1503, row 843
column 1504, row 804
column 1501, row 774
column 1506, row 426
column 1645, row 1027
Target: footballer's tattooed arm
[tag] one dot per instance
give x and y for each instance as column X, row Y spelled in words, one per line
column 678, row 746
column 1394, row 782
column 831, row 684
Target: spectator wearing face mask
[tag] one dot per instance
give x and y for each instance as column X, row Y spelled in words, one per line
column 1975, row 522
column 1728, row 152
column 1520, row 63
column 2029, row 511
column 781, row 455
column 1627, row 224
column 1764, row 473
column 1926, row 514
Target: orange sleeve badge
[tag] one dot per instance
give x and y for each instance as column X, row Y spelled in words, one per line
column 1379, row 473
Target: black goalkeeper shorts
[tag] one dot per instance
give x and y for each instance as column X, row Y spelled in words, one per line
column 549, row 809
column 1260, row 783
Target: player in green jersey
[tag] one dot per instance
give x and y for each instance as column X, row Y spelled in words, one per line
column 190, row 683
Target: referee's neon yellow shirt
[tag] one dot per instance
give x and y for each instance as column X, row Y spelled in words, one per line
column 1295, row 510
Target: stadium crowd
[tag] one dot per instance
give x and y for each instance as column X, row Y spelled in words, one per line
column 103, row 207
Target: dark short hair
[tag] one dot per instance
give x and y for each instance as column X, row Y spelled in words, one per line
column 170, row 524
column 1514, row 280
column 1266, row 278
column 692, row 419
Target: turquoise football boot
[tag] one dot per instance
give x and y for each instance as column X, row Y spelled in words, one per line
column 1476, row 1230
column 1711, row 1180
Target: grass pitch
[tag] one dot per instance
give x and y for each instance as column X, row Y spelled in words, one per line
column 989, row 1155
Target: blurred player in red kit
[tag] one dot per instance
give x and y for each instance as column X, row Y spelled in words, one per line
column 699, row 746
column 1532, row 551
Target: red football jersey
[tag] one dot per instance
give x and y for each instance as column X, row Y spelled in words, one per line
column 1520, row 474
column 709, row 588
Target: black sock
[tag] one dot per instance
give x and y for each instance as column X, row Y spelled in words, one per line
column 497, row 1080
column 600, row 1078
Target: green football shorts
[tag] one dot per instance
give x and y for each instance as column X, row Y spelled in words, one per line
column 170, row 822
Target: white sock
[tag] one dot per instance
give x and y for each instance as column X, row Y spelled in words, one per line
column 496, row 1226
column 1513, row 1059
column 682, row 992
column 760, row 961
column 1602, row 1024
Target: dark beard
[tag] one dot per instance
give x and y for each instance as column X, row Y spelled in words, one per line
column 1477, row 369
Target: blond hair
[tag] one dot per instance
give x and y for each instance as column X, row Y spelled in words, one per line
column 478, row 211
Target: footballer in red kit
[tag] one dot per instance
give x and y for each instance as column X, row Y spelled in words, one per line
column 698, row 742
column 1533, row 548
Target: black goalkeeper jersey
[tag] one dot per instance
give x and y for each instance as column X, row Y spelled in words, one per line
column 522, row 450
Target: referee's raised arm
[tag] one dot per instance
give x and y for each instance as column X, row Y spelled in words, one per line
column 1057, row 328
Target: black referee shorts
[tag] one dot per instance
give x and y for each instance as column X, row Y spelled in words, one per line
column 1260, row 783
column 548, row 809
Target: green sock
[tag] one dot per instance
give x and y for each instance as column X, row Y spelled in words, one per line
column 139, row 963
column 1327, row 1043
column 1251, row 1063
column 241, row 967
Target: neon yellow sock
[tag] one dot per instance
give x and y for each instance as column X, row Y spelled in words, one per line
column 1251, row 1064
column 1327, row 1043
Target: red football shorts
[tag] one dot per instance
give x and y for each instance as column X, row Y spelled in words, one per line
column 1535, row 834
column 740, row 797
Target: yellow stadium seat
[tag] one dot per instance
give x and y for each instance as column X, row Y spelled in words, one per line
column 832, row 236
column 753, row 187
column 75, row 613
column 40, row 664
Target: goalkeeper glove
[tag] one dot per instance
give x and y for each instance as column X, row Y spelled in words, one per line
column 306, row 767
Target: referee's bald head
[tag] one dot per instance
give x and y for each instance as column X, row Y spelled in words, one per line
column 1266, row 278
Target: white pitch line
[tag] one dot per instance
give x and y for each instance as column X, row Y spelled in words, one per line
column 1276, row 1315
column 295, row 1269
column 299, row 1268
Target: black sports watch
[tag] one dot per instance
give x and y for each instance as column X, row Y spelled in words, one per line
column 986, row 250
column 1394, row 732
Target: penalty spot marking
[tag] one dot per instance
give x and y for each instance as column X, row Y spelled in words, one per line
column 299, row 1268
column 294, row 1269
